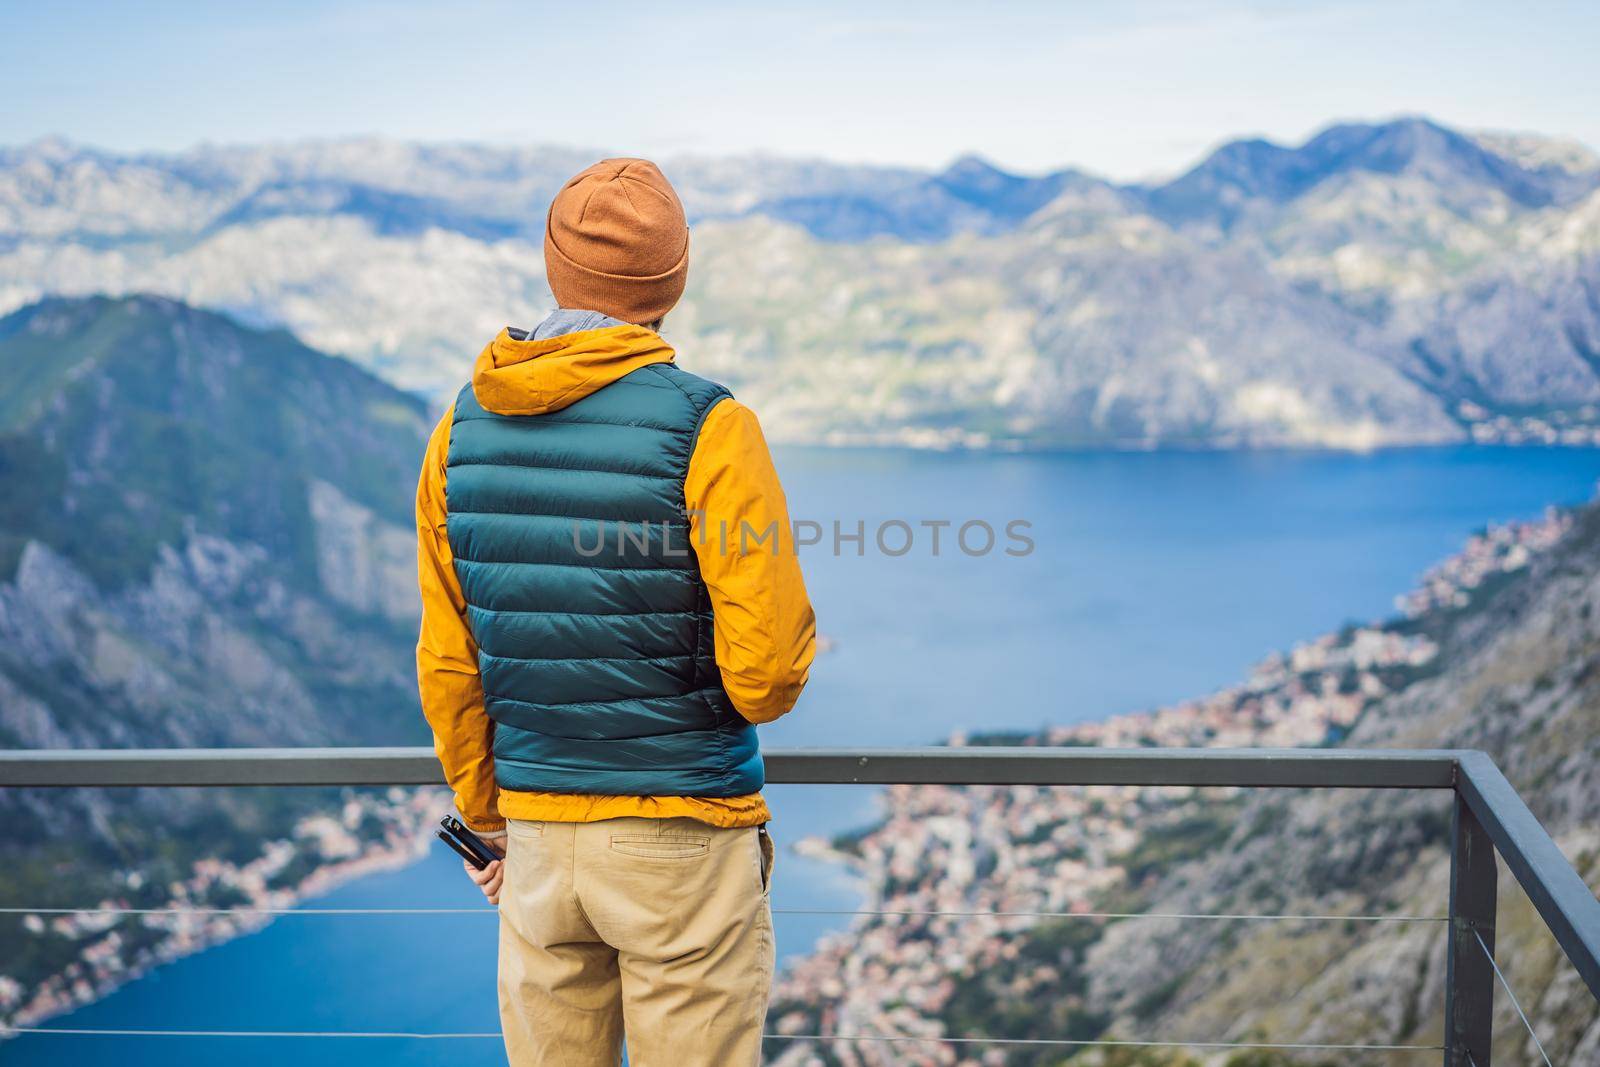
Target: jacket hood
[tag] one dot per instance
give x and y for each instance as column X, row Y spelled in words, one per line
column 514, row 377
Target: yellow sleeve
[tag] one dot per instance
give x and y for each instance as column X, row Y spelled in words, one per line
column 766, row 633
column 447, row 656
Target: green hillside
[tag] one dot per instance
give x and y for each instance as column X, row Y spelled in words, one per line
column 207, row 541
column 124, row 423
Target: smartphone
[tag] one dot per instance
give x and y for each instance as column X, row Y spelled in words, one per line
column 462, row 850
column 472, row 847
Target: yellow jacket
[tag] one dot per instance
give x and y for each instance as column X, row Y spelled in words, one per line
column 765, row 631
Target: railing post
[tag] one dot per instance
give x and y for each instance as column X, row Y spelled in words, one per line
column 1469, row 975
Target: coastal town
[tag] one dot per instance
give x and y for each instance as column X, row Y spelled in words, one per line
column 1500, row 549
column 1566, row 428
column 952, row 874
column 219, row 900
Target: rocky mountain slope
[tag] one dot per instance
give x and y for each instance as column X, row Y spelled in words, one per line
column 1517, row 679
column 1496, row 650
column 207, row 542
column 1389, row 283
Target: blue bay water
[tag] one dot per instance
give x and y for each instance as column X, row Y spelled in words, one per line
column 1153, row 577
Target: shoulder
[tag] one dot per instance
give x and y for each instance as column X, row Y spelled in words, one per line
column 702, row 393
column 441, row 429
column 466, row 405
column 730, row 431
column 728, row 419
column 436, row 455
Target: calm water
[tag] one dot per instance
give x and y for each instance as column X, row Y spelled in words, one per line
column 1153, row 577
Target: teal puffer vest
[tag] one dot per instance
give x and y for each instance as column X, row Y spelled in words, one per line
column 594, row 628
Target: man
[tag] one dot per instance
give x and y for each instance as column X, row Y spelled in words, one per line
column 611, row 602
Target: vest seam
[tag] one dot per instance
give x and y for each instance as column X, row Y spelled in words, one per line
column 616, row 770
column 584, row 518
column 549, row 467
column 546, row 515
column 587, row 703
column 551, row 420
column 669, row 732
column 589, row 659
column 579, row 614
column 576, row 566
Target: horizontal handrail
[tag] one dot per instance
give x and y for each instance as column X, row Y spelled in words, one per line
column 1242, row 767
column 166, row 767
column 1565, row 902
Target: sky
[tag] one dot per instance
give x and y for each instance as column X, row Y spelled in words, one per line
column 1129, row 90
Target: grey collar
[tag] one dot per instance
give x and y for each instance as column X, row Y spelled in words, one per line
column 564, row 321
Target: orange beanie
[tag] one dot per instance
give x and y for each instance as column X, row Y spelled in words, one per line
column 617, row 242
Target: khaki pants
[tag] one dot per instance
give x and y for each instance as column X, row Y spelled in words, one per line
column 655, row 927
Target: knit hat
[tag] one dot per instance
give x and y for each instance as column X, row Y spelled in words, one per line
column 617, row 242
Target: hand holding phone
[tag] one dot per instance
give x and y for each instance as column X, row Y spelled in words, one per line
column 471, row 847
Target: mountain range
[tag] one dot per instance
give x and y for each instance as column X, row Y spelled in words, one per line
column 1381, row 284
column 208, row 532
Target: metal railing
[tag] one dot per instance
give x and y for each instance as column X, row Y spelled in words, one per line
column 1490, row 820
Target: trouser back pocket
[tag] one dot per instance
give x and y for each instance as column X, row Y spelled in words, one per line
column 767, row 853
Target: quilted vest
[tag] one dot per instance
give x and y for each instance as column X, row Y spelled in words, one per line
column 594, row 629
